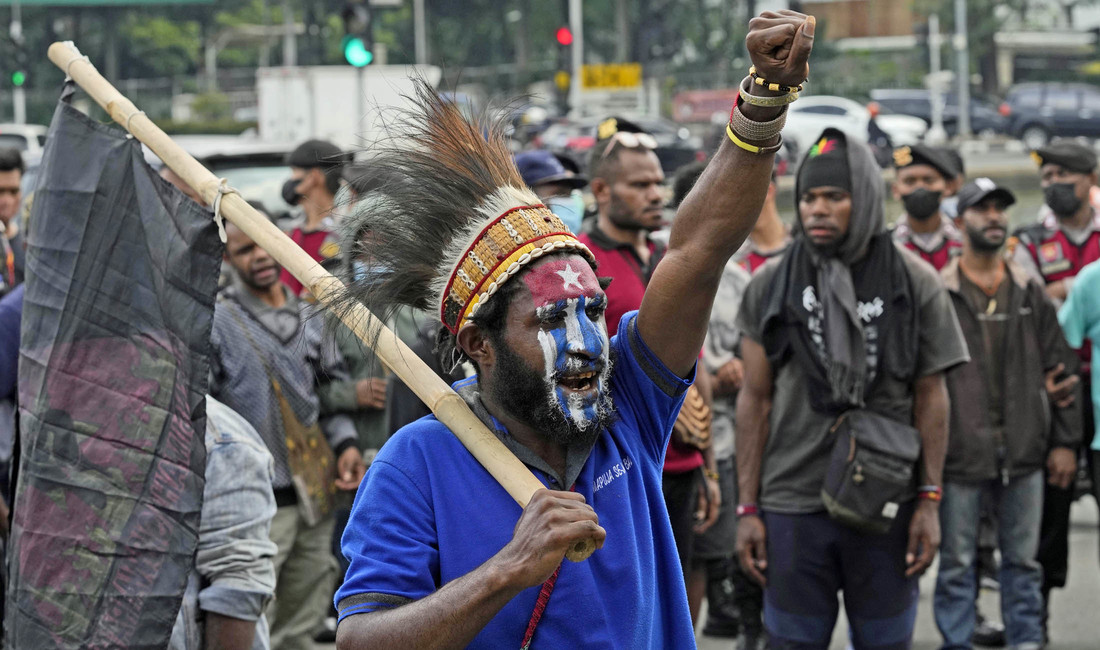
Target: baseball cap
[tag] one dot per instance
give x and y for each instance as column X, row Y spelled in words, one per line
column 979, row 190
column 315, row 153
column 541, row 166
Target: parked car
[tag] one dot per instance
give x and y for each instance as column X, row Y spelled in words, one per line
column 809, row 116
column 1040, row 111
column 986, row 115
column 27, row 138
column 676, row 146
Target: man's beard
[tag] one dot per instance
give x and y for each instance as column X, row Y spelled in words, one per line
column 980, row 243
column 523, row 393
column 621, row 216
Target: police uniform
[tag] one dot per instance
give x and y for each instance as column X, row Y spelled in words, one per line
column 939, row 247
column 1050, row 251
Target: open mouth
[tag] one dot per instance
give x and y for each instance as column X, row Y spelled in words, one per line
column 580, row 382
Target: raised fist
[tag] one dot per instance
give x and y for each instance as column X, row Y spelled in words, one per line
column 779, row 44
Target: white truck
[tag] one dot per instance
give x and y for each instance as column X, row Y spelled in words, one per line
column 342, row 104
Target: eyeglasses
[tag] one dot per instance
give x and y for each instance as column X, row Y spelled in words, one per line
column 630, row 140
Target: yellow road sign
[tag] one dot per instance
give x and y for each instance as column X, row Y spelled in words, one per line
column 610, row 76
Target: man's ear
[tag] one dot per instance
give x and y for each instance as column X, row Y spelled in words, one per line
column 473, row 340
column 601, row 189
column 315, row 178
column 894, row 191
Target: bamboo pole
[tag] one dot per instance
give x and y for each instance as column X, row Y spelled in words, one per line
column 447, row 406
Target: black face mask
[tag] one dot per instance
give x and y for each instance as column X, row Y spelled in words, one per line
column 1062, row 199
column 290, row 191
column 921, row 204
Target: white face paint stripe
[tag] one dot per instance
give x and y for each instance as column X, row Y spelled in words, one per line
column 573, row 335
column 549, row 356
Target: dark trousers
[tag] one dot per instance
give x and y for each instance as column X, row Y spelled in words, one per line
column 679, row 491
column 811, row 558
column 1054, row 531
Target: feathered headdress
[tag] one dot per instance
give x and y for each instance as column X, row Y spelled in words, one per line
column 445, row 218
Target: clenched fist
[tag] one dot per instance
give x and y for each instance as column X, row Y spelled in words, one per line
column 779, row 44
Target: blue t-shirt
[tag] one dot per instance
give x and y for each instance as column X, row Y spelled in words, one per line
column 1080, row 319
column 428, row 513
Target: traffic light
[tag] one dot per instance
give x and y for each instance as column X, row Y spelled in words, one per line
column 19, row 74
column 564, row 36
column 358, row 45
column 563, row 78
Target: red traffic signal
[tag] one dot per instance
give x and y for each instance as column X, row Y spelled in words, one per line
column 564, row 36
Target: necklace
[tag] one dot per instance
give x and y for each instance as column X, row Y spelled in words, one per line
column 988, row 288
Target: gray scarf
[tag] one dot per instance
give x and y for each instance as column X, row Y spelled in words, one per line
column 844, row 344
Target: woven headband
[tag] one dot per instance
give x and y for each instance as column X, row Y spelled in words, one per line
column 502, row 248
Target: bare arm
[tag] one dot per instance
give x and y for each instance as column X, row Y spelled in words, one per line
column 930, row 411
column 227, row 633
column 454, row 614
column 754, row 404
column 449, row 618
column 720, row 211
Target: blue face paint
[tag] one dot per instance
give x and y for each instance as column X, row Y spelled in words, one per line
column 575, row 350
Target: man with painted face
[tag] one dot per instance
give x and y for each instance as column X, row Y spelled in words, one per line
column 923, row 176
column 1009, row 430
column 846, row 320
column 1054, row 251
column 437, row 556
column 559, row 188
column 315, row 167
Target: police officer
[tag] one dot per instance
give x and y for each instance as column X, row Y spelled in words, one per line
column 1054, row 250
column 923, row 177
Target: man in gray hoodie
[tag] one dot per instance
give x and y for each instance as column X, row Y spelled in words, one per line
column 844, row 321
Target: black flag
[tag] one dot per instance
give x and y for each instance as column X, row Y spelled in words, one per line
column 121, row 278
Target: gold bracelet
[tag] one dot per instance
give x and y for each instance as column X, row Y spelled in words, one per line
column 710, row 473
column 766, row 102
column 752, row 148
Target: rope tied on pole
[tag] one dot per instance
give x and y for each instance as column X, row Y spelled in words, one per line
column 223, row 189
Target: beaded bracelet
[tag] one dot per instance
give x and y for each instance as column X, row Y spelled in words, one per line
column 752, row 148
column 765, row 102
column 774, row 87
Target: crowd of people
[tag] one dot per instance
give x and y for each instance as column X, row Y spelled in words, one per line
column 737, row 410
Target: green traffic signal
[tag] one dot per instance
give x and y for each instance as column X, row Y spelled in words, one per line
column 356, row 52
column 18, row 78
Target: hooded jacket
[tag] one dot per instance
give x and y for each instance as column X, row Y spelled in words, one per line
column 815, row 313
column 1033, row 426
